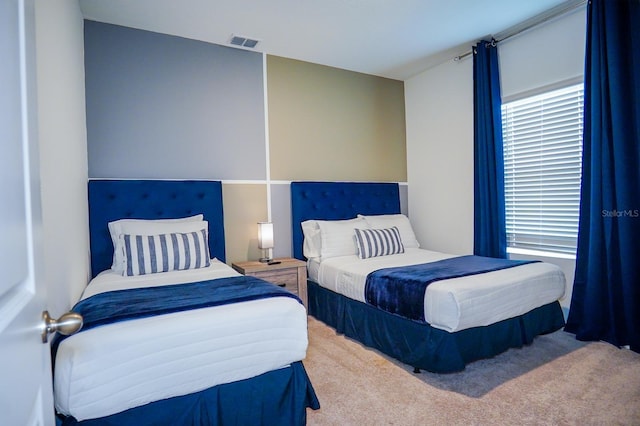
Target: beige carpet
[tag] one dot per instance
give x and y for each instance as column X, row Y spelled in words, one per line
column 555, row 381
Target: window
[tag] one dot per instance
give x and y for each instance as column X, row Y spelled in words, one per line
column 542, row 164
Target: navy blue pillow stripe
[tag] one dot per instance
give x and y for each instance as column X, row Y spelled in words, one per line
column 378, row 242
column 196, row 242
column 152, row 252
column 127, row 252
column 140, row 254
column 187, row 253
column 174, row 247
column 166, row 252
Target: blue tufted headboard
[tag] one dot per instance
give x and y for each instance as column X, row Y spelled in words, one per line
column 338, row 200
column 111, row 200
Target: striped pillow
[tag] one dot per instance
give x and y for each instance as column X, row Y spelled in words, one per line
column 149, row 254
column 378, row 242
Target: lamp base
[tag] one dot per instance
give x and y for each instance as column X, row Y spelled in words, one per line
column 268, row 256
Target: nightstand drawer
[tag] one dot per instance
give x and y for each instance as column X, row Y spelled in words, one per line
column 285, row 272
column 283, row 278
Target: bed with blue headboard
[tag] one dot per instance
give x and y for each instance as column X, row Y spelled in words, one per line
column 172, row 359
column 414, row 342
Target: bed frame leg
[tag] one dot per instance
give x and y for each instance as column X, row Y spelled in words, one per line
column 416, row 370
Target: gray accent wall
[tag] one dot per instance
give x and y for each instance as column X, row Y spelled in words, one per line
column 160, row 106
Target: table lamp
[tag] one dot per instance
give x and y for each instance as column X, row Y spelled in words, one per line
column 265, row 240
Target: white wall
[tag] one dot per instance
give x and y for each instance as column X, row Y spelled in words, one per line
column 439, row 115
column 63, row 150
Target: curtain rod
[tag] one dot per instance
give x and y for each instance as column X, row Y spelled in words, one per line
column 530, row 23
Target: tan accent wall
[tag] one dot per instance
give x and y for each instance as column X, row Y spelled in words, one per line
column 244, row 206
column 330, row 124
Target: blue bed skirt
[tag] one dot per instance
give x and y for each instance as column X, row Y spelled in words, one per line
column 278, row 397
column 422, row 346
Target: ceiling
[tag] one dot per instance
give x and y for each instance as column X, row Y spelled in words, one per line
column 389, row 38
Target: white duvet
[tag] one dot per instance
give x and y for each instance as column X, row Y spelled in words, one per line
column 112, row 368
column 454, row 304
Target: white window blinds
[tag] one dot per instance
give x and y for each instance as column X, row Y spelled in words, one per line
column 542, row 163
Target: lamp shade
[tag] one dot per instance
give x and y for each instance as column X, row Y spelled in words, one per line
column 265, row 235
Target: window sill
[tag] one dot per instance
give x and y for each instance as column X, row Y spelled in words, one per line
column 540, row 253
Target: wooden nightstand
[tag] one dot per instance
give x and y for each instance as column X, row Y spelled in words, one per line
column 289, row 273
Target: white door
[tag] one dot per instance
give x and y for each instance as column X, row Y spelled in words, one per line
column 25, row 365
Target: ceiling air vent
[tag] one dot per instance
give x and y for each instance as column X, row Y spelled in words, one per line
column 243, row 41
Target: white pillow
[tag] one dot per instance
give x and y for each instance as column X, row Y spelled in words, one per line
column 150, row 254
column 338, row 237
column 312, row 245
column 400, row 221
column 147, row 227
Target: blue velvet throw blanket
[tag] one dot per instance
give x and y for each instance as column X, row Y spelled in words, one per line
column 400, row 290
column 122, row 305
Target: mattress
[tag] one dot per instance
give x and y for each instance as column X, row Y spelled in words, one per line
column 109, row 369
column 453, row 304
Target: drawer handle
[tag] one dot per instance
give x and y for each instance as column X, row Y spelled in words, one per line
column 281, row 285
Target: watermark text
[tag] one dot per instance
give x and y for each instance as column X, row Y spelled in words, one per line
column 621, row 213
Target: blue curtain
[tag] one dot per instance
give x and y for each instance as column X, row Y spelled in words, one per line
column 605, row 304
column 489, row 224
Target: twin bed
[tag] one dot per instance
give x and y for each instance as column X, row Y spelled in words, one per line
column 451, row 320
column 204, row 344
